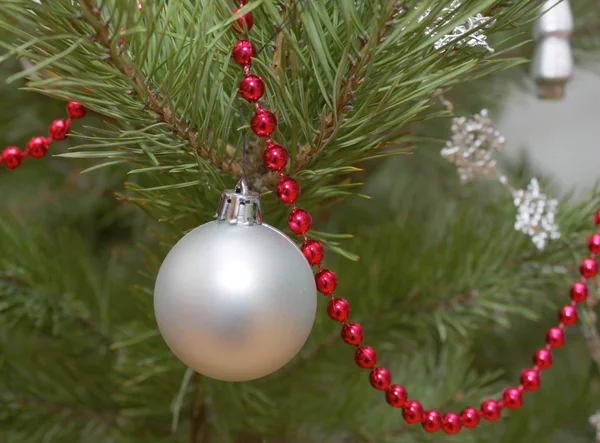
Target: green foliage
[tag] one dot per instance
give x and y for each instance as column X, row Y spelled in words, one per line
column 453, row 298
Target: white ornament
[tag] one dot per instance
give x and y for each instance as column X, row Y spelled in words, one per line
column 552, row 64
column 235, row 299
column 473, row 146
column 535, row 214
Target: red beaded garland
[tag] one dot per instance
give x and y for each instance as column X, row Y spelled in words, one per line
column 244, row 23
column 451, row 423
column 469, row 417
column 299, row 221
column 589, row 268
column 568, row 315
column 579, row 292
column 530, row 379
column 543, row 359
column 412, row 412
column 59, row 129
column 432, row 421
column 555, row 337
column 38, row 146
column 314, row 251
column 491, row 410
column 275, row 157
column 380, row 379
column 288, row 190
column 353, row 334
column 339, row 309
column 76, row 110
column 243, row 52
column 12, row 157
column 396, row 396
column 365, row 357
column 326, row 281
column 512, row 398
column 252, row 88
column 594, row 243
column 263, row 123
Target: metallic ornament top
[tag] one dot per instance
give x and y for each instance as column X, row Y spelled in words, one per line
column 240, row 205
column 552, row 64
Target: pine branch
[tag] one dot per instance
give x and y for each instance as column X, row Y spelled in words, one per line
column 154, row 101
column 355, row 77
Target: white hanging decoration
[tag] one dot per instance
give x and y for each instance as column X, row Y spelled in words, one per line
column 552, row 64
column 462, row 35
column 473, row 146
column 535, row 214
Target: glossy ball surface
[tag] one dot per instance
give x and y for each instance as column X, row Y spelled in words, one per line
column 252, row 88
column 38, row 146
column 59, row 129
column 12, row 157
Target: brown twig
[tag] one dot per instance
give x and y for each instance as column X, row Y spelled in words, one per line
column 154, row 101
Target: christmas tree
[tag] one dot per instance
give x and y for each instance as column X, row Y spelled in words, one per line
column 454, row 296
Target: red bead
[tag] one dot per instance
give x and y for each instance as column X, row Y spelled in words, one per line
column 412, row 412
column 512, row 398
column 543, row 359
column 380, row 379
column 326, row 281
column 594, row 243
column 597, row 218
column 555, row 337
column 252, row 88
column 432, row 421
column 314, row 251
column 365, row 357
column 588, row 268
column 469, row 417
column 396, row 396
column 299, row 221
column 244, row 22
column 491, row 410
column 530, row 379
column 76, row 110
column 339, row 309
column 353, row 334
column 38, row 146
column 59, row 129
column 242, row 52
column 568, row 315
column 275, row 157
column 451, row 423
column 12, row 157
column 288, row 190
column 263, row 123
column 579, row 292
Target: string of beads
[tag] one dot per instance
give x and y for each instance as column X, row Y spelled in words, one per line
column 37, row 147
column 263, row 124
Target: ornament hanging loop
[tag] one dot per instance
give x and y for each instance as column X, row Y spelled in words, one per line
column 240, row 205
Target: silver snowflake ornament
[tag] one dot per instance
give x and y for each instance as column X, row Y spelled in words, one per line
column 463, row 35
column 473, row 146
column 535, row 214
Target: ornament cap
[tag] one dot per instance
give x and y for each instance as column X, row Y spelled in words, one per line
column 240, row 205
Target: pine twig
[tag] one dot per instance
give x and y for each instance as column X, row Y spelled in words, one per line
column 154, row 101
column 356, row 76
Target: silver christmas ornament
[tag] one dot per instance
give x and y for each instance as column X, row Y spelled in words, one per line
column 235, row 299
column 552, row 63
